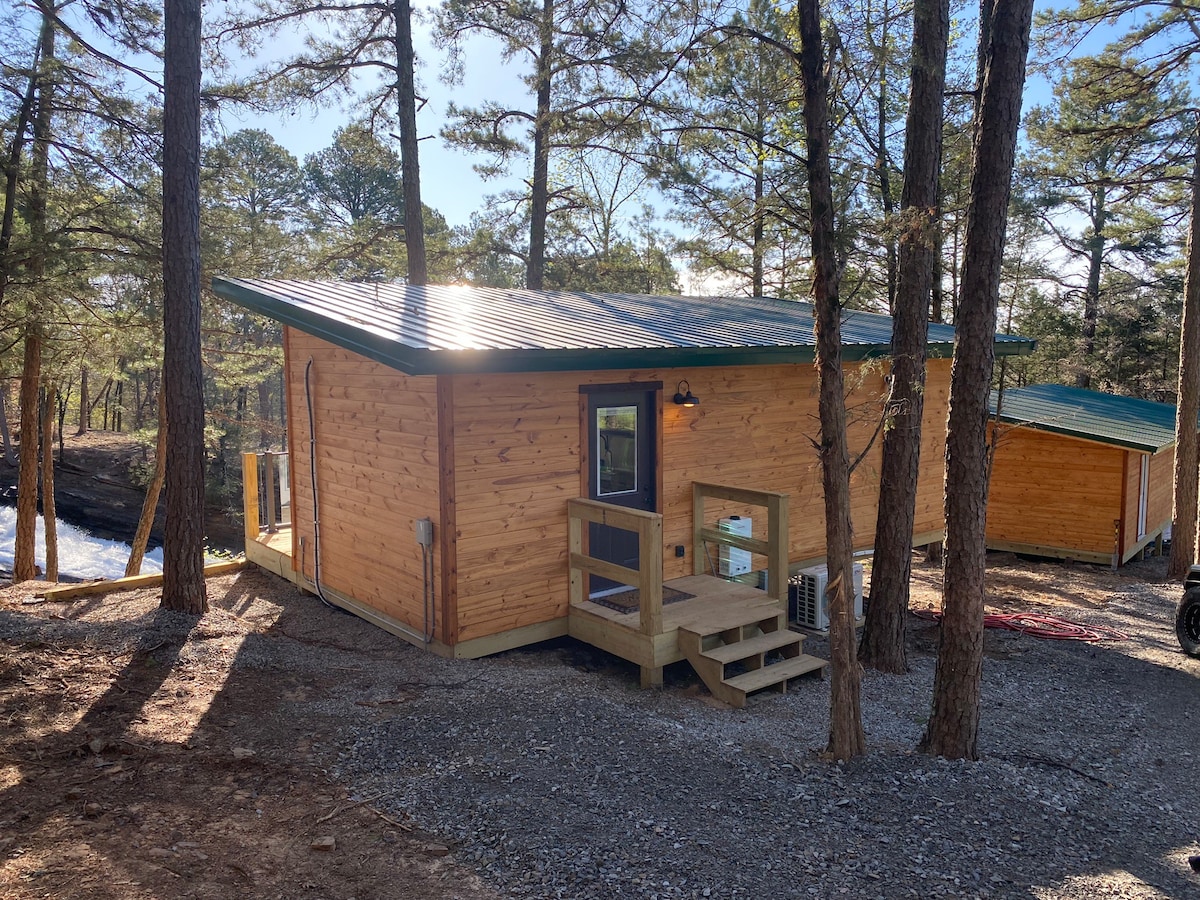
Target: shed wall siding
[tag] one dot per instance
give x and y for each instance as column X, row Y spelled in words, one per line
column 1048, row 490
column 1162, row 486
column 377, row 471
column 517, row 461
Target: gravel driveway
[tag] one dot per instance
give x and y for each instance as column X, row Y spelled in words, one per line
column 557, row 777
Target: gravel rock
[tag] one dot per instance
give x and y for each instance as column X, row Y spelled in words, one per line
column 557, row 777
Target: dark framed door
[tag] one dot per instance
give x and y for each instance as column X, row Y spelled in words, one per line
column 622, row 468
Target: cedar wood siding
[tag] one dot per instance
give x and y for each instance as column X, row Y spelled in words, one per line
column 1054, row 491
column 1162, row 487
column 377, row 470
column 1159, row 503
column 518, row 454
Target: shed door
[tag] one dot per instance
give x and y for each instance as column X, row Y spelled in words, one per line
column 622, row 470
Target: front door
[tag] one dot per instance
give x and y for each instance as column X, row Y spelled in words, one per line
column 621, row 469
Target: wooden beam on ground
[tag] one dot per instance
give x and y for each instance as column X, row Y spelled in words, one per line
column 71, row 591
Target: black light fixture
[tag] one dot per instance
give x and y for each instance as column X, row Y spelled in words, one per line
column 685, row 397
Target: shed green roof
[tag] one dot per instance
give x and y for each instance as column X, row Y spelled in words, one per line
column 1110, row 419
column 437, row 329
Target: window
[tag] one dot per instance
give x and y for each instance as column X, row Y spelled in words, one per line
column 616, row 450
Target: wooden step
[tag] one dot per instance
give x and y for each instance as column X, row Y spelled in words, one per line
column 712, row 622
column 775, row 675
column 763, row 643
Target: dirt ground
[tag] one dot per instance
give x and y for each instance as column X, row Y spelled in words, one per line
column 154, row 774
column 130, row 771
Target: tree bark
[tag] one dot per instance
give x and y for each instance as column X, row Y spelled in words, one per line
column 137, row 552
column 953, row 729
column 410, row 168
column 13, row 169
column 891, row 570
column 539, row 199
column 25, row 541
column 846, row 736
column 183, row 544
column 85, row 411
column 48, row 511
column 1091, row 302
column 1187, row 410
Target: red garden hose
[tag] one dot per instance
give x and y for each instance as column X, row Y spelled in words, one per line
column 1037, row 625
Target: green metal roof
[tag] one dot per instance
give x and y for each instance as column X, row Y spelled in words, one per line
column 447, row 328
column 1120, row 421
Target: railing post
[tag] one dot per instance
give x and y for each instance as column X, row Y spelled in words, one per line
column 650, row 569
column 777, row 562
column 250, row 495
column 697, row 529
column 269, row 500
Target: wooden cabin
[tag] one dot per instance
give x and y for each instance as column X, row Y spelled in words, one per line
column 1080, row 474
column 490, row 465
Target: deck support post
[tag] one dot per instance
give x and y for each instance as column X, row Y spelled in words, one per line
column 652, row 677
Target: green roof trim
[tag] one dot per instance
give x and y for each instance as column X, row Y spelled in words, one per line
column 1128, row 422
column 450, row 329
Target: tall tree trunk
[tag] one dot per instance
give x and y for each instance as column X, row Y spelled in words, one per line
column 141, row 539
column 24, row 564
column 13, row 168
column 1187, row 447
column 953, row 729
column 539, row 200
column 85, row 411
column 846, row 736
column 25, row 541
column 1091, row 297
column 10, row 457
column 891, row 570
column 410, row 168
column 48, row 511
column 183, row 544
column 881, row 161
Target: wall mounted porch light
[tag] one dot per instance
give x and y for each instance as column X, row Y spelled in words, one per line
column 684, row 396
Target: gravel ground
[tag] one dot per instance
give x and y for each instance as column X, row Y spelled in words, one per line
column 557, row 777
column 550, row 774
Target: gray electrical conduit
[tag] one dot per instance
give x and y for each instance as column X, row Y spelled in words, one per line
column 426, row 556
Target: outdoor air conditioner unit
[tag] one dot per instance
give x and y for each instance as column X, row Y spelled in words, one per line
column 734, row 561
column 807, row 604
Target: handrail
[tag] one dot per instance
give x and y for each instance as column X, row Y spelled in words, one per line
column 647, row 578
column 775, row 547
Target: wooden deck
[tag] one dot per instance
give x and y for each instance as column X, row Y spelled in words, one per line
column 735, row 636
column 716, row 604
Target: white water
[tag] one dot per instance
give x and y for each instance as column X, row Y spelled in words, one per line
column 80, row 555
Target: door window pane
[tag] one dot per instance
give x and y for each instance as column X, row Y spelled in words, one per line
column 616, row 450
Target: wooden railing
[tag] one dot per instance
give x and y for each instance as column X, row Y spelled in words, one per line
column 647, row 578
column 775, row 547
column 264, row 489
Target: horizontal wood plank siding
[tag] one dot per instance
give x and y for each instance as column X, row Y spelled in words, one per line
column 1162, row 488
column 377, row 470
column 1050, row 490
column 517, row 462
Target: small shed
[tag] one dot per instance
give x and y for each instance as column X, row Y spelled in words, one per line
column 477, row 469
column 1080, row 474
